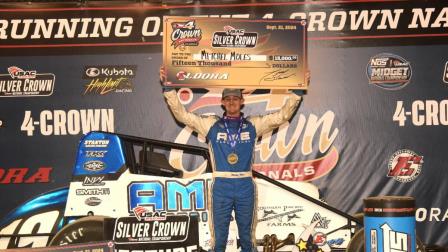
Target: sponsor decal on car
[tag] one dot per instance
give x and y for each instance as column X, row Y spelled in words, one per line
column 95, row 154
column 93, row 191
column 25, row 83
column 93, row 181
column 173, row 196
column 93, row 201
column 94, row 165
column 320, row 239
column 322, row 222
column 142, row 213
column 274, row 216
column 130, row 230
column 96, row 143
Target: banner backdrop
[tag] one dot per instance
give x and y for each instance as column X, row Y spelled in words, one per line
column 373, row 122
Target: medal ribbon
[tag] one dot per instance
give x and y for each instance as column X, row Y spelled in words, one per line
column 232, row 140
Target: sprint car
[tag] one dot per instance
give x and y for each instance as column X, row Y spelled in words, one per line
column 121, row 182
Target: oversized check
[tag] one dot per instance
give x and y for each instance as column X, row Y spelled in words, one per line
column 236, row 53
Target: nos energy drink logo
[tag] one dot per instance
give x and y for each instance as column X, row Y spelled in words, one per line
column 389, row 71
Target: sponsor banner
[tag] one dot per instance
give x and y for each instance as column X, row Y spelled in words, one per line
column 342, row 22
column 421, row 113
column 341, row 139
column 25, row 83
column 433, row 214
column 67, row 122
column 214, row 52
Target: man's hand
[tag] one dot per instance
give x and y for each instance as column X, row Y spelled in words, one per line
column 162, row 74
column 301, row 92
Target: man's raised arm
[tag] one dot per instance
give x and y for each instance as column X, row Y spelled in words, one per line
column 200, row 124
column 269, row 122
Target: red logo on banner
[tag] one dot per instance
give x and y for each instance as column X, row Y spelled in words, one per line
column 405, row 166
column 23, row 175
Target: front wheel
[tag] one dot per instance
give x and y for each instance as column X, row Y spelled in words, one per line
column 86, row 229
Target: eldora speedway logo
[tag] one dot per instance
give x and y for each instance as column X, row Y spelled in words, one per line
column 185, row 34
column 232, row 37
column 21, row 83
column 405, row 165
column 389, row 71
column 182, row 75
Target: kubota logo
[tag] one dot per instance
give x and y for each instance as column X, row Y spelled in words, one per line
column 316, row 134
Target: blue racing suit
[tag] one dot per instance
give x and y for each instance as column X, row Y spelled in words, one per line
column 233, row 187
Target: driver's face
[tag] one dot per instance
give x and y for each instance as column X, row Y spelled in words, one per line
column 232, row 104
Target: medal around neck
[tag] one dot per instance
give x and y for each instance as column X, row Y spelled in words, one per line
column 232, row 158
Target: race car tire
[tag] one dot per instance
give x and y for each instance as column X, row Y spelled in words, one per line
column 360, row 217
column 85, row 229
column 356, row 244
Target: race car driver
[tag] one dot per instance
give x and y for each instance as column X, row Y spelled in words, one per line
column 231, row 139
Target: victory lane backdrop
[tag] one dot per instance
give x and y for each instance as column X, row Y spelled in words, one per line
column 373, row 122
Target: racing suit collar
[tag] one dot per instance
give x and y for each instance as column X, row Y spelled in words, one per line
column 236, row 118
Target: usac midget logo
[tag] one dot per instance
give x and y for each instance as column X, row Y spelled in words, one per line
column 405, row 165
column 185, row 34
column 232, row 37
column 389, row 71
